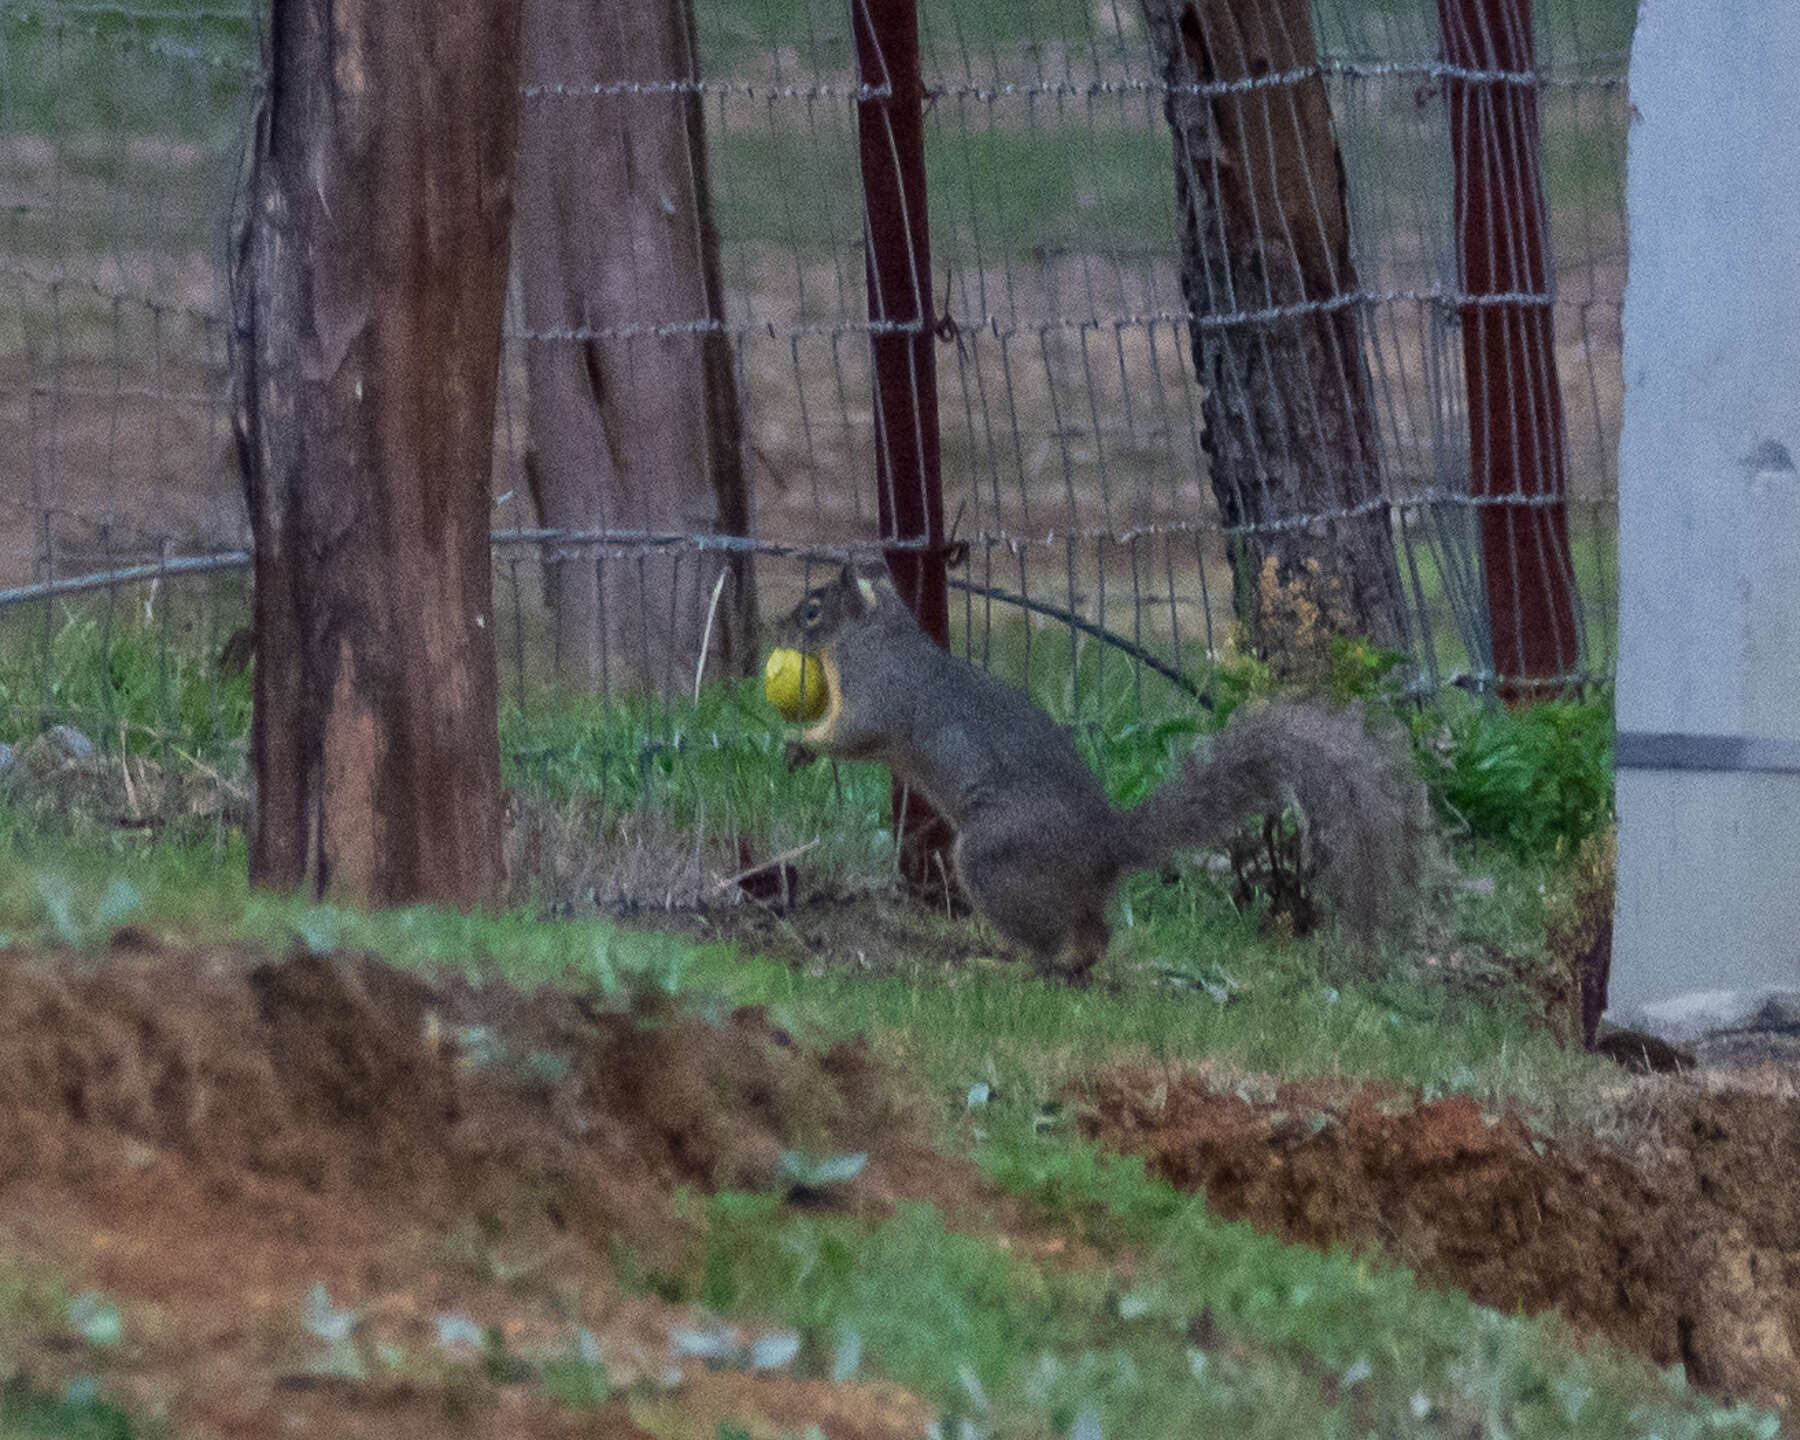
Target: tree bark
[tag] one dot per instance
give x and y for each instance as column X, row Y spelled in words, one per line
column 1277, row 328
column 369, row 286
column 634, row 413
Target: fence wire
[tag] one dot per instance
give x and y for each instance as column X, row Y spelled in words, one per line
column 1074, row 456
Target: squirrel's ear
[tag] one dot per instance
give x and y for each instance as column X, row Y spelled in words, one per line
column 864, row 587
column 852, row 591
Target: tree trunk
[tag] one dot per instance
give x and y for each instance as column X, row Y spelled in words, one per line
column 1277, row 328
column 633, row 407
column 368, row 293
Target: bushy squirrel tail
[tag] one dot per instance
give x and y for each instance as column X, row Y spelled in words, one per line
column 1360, row 802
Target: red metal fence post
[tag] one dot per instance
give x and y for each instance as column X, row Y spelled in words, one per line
column 1518, row 465
column 890, row 126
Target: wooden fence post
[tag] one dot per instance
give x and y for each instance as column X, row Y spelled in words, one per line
column 1276, row 314
column 368, row 292
column 634, row 415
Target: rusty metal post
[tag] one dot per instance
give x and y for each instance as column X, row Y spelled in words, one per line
column 1517, row 459
column 890, row 125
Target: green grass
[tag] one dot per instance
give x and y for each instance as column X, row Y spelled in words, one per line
column 36, row 1304
column 158, row 71
column 142, row 666
column 1269, row 1006
column 952, row 29
column 28, row 1414
column 1188, row 1322
column 1057, row 185
column 734, row 31
column 717, row 763
column 139, row 682
column 1222, row 1330
column 151, row 687
column 77, row 68
column 147, row 69
column 714, row 767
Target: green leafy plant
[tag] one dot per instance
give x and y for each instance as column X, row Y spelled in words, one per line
column 1359, row 670
column 77, row 921
column 1532, row 779
column 578, row 1379
column 1135, row 758
column 79, row 1413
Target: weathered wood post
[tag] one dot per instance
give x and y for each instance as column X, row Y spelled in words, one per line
column 634, row 420
column 1276, row 311
column 369, row 286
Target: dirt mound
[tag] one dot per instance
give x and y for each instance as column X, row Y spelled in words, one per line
column 1692, row 1258
column 207, row 1138
column 339, row 1074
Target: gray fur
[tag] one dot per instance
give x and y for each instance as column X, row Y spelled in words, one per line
column 1040, row 848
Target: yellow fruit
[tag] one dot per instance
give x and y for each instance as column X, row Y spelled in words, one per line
column 795, row 685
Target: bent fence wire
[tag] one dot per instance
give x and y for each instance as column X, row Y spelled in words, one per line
column 1074, row 447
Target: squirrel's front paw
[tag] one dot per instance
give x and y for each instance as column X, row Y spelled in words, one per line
column 799, row 754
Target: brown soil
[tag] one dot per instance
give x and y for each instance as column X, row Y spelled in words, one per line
column 874, row 933
column 204, row 1138
column 1691, row 1254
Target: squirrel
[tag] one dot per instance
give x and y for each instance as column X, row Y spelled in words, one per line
column 1039, row 846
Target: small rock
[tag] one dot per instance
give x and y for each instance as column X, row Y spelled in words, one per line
column 1699, row 1013
column 456, row 1331
column 1780, row 1012
column 70, row 743
column 50, row 758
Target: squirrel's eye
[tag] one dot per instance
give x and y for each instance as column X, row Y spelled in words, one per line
column 812, row 610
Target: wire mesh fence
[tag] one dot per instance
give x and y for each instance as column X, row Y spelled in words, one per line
column 1080, row 460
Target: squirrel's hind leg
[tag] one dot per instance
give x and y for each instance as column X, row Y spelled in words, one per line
column 1077, row 960
column 1086, row 948
column 1048, row 901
